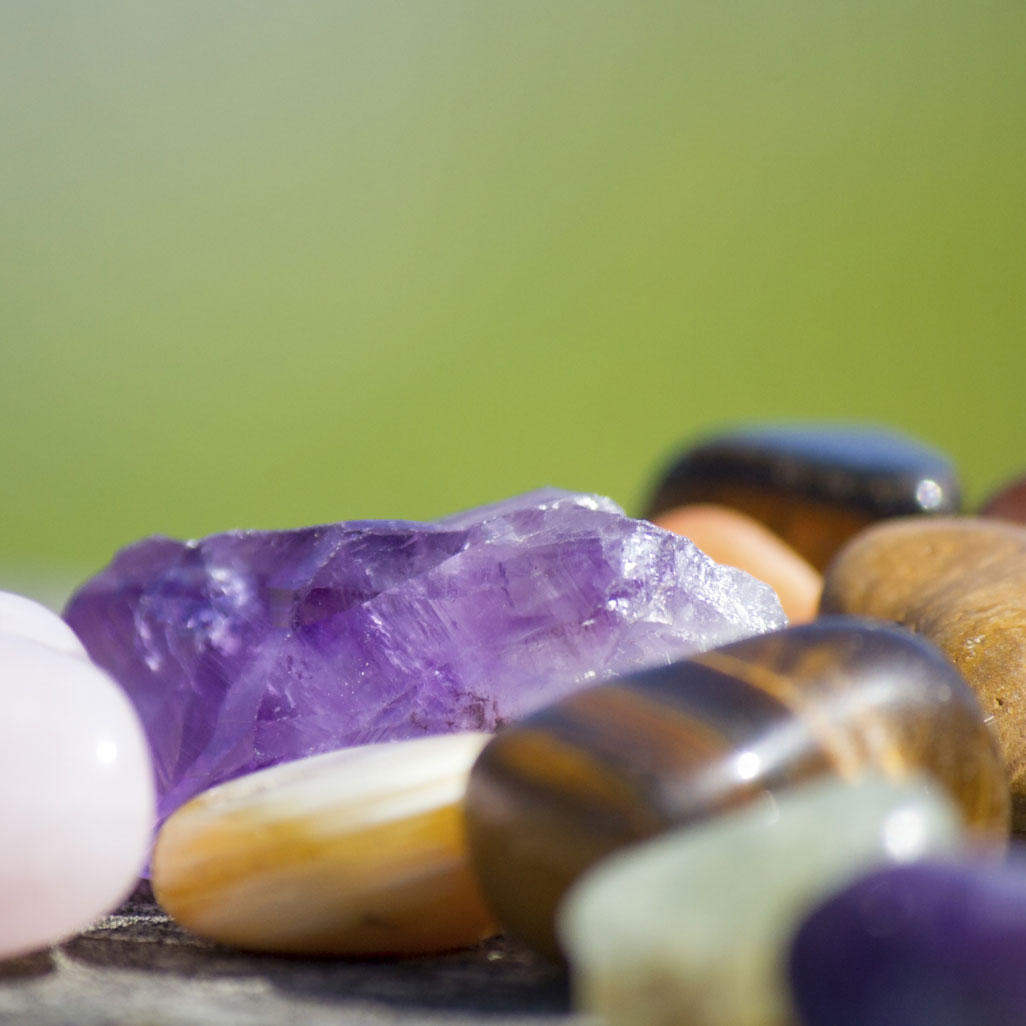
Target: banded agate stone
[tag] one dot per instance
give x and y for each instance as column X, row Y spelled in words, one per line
column 695, row 926
column 936, row 943
column 356, row 852
column 630, row 758
column 961, row 583
column 815, row 485
column 250, row 648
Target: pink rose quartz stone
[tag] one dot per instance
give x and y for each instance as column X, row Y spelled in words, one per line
column 76, row 787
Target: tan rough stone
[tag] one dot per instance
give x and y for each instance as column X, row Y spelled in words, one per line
column 961, row 583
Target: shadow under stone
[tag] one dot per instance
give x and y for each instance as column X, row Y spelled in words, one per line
column 26, row 967
column 498, row 976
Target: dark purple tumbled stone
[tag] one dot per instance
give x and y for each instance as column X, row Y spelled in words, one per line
column 925, row 944
column 253, row 647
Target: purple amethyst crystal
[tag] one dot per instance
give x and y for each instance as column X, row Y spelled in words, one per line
column 927, row 944
column 250, row 648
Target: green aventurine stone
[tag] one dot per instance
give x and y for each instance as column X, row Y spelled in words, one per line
column 695, row 926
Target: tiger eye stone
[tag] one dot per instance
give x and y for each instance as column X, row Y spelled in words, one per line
column 632, row 757
column 961, row 582
column 736, row 539
column 1008, row 503
column 814, row 485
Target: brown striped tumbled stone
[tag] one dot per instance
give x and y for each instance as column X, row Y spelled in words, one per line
column 815, row 485
column 629, row 758
column 961, row 582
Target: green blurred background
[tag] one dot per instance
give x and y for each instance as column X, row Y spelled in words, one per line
column 271, row 264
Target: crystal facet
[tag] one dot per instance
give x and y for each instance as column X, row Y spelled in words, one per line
column 252, row 647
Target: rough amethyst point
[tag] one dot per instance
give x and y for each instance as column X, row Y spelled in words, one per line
column 927, row 944
column 250, row 648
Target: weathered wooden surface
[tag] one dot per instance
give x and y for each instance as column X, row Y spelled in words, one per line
column 137, row 968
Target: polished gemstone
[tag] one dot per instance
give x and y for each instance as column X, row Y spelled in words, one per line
column 355, row 852
column 1008, row 503
column 961, row 582
column 627, row 759
column 694, row 926
column 253, row 647
column 76, row 792
column 929, row 944
column 815, row 485
column 736, row 539
column 26, row 618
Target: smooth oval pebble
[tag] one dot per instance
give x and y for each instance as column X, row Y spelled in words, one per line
column 814, row 485
column 26, row 618
column 961, row 583
column 736, row 539
column 695, row 926
column 928, row 944
column 355, row 852
column 1008, row 503
column 625, row 760
column 76, row 794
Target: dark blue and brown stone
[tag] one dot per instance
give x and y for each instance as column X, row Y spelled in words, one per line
column 961, row 583
column 814, row 485
column 627, row 759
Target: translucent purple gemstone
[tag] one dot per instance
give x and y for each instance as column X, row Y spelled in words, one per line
column 249, row 648
column 927, row 944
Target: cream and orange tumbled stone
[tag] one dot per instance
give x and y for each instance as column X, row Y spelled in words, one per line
column 736, row 539
column 961, row 583
column 357, row 852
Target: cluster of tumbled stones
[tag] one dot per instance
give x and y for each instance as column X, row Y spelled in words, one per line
column 713, row 818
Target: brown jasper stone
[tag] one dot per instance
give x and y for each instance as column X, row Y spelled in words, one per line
column 1007, row 504
column 627, row 759
column 734, row 538
column 961, row 582
column 814, row 485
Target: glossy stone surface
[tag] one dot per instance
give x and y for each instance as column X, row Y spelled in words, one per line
column 356, row 852
column 695, row 925
column 25, row 618
column 76, row 794
column 1008, row 503
column 736, row 539
column 630, row 758
column 254, row 647
column 961, row 583
column 815, row 485
column 930, row 944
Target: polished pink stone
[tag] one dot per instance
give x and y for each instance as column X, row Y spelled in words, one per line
column 76, row 794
